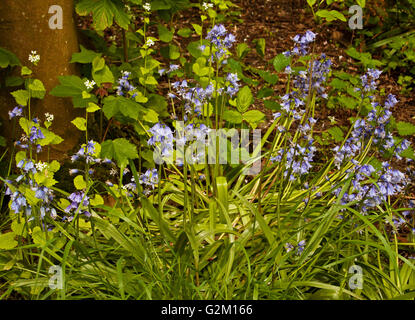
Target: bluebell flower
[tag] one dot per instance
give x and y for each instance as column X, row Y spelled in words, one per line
column 288, row 247
column 300, row 247
column 223, row 41
column 16, row 112
column 150, row 178
column 79, row 203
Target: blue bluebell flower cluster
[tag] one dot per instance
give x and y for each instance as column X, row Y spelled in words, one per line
column 298, row 159
column 193, row 97
column 370, row 188
column 88, row 153
column 150, row 178
column 222, row 40
column 79, row 205
column 124, row 86
column 302, row 43
column 375, row 127
column 300, row 247
column 16, row 112
column 162, row 138
column 172, row 68
column 15, row 189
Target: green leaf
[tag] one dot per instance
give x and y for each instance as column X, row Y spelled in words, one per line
column 19, row 228
column 50, row 138
column 26, row 125
column 120, row 150
column 101, row 73
column 151, row 116
column 197, row 28
column 21, row 155
column 140, row 98
column 362, row 3
column 161, row 5
column 121, row 105
column 25, row 71
column 265, row 92
column 79, row 182
column 104, row 12
column 268, row 76
column 97, row 200
column 280, row 62
column 72, row 86
column 253, row 117
column 331, row 15
column 336, row 133
column 174, row 52
column 244, row 99
column 21, row 97
column 92, row 107
column 185, row 32
column 54, row 166
column 241, row 50
column 158, row 103
column 232, row 116
column 338, row 84
column 7, row 241
column 12, row 81
column 165, row 34
column 8, row 58
column 85, row 56
column 80, row 123
column 37, row 89
column 260, row 46
column 193, row 48
column 38, row 236
column 405, row 128
column 151, row 81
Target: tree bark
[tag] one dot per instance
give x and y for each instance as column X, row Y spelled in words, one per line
column 24, row 26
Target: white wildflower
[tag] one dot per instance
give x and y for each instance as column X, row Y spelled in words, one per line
column 206, row 6
column 49, row 117
column 147, row 6
column 34, row 57
column 40, row 166
column 149, row 43
column 89, row 84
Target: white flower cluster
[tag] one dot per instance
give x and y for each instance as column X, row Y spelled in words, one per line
column 34, row 57
column 89, row 84
column 147, row 6
column 149, row 43
column 206, row 5
column 40, row 166
column 49, row 117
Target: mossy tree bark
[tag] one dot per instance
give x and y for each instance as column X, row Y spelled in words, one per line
column 24, row 26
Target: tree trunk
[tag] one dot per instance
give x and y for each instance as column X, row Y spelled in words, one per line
column 24, row 26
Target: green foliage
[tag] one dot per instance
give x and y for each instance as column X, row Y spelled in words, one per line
column 244, row 99
column 120, row 150
column 199, row 231
column 8, row 58
column 405, row 128
column 73, row 87
column 104, row 12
